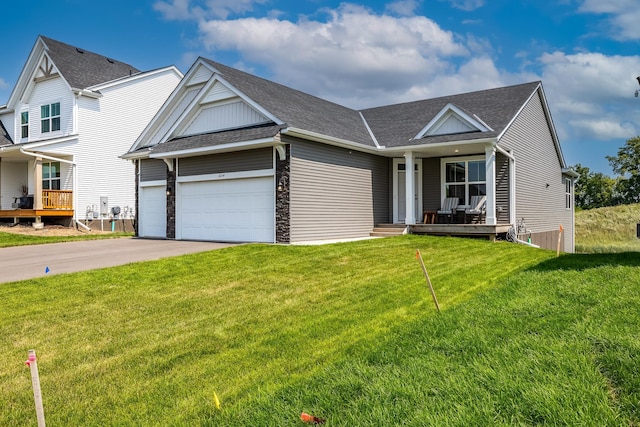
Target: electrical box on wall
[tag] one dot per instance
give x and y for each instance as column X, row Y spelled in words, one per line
column 104, row 205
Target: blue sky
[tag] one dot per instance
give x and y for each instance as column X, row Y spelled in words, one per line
column 365, row 54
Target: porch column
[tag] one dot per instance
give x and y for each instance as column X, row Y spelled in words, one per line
column 37, row 183
column 512, row 189
column 410, row 186
column 490, row 162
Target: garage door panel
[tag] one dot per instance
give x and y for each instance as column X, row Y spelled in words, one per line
column 239, row 210
column 152, row 215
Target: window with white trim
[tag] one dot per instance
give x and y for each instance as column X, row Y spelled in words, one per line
column 24, row 124
column 465, row 178
column 568, row 193
column 51, row 175
column 50, row 117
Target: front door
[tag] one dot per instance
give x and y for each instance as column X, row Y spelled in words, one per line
column 400, row 193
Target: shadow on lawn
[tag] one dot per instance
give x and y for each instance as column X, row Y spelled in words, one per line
column 585, row 261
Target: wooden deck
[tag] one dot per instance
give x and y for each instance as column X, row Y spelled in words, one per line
column 35, row 213
column 480, row 230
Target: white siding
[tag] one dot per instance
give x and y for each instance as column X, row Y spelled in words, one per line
column 226, row 116
column 9, row 124
column 49, row 92
column 217, row 93
column 12, row 176
column 200, row 76
column 108, row 127
column 452, row 124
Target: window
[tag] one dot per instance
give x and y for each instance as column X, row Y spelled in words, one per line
column 51, row 176
column 24, row 124
column 567, row 190
column 465, row 178
column 50, row 117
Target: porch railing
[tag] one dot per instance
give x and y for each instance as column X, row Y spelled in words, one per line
column 57, row 199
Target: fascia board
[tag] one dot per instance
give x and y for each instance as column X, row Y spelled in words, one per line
column 404, row 148
column 244, row 145
column 27, row 69
column 134, row 77
column 338, row 142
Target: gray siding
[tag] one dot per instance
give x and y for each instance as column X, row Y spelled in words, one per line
column 540, row 189
column 431, row 197
column 152, row 170
column 238, row 161
column 336, row 193
column 502, row 188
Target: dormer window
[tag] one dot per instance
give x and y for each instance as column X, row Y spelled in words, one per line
column 24, row 124
column 50, row 117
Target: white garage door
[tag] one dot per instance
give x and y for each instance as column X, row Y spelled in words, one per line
column 152, row 212
column 235, row 210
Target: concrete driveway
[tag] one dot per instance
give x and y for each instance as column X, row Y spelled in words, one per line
column 28, row 262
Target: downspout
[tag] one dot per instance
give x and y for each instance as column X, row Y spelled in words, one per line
column 75, row 181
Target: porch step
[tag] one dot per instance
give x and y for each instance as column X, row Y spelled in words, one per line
column 386, row 230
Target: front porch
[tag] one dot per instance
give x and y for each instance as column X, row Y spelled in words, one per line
column 53, row 204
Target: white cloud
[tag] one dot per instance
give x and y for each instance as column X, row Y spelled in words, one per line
column 591, row 94
column 624, row 16
column 403, row 7
column 467, row 5
column 353, row 52
column 198, row 9
column 3, row 84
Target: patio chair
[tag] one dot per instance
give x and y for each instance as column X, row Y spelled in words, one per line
column 476, row 209
column 448, row 208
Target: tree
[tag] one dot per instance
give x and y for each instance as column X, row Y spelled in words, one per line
column 594, row 189
column 627, row 165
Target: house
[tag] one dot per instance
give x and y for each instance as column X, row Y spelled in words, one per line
column 234, row 157
column 70, row 116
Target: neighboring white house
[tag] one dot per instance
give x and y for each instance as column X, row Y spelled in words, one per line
column 70, row 115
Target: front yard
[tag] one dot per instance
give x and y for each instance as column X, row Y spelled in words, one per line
column 347, row 332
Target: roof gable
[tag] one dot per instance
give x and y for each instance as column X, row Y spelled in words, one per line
column 79, row 68
column 452, row 120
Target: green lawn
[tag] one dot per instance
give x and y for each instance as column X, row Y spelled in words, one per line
column 347, row 332
column 12, row 239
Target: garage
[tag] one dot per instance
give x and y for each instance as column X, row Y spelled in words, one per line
column 152, row 221
column 226, row 210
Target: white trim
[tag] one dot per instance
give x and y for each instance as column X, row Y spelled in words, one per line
column 156, row 183
column 260, row 173
column 132, row 77
column 490, row 177
column 373, row 137
column 264, row 142
column 395, row 183
column 338, row 142
column 443, row 172
column 446, row 112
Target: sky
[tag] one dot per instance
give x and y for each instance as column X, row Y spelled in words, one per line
column 368, row 53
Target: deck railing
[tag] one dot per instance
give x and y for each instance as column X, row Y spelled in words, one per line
column 57, row 199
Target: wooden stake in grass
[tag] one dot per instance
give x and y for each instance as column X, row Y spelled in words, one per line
column 35, row 381
column 559, row 238
column 426, row 276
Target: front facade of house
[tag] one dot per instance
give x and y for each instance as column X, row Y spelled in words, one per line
column 69, row 117
column 232, row 157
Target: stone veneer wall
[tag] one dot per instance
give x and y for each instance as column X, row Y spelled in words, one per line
column 171, row 201
column 283, row 223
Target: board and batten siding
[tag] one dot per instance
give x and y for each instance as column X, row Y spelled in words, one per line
column 108, row 127
column 240, row 161
column 153, row 170
column 334, row 192
column 540, row 187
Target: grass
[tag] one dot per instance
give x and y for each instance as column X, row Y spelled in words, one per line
column 347, row 332
column 13, row 239
column 607, row 230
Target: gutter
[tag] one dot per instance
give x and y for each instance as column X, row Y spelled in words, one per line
column 75, row 181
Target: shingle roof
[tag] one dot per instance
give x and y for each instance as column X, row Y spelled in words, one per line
column 82, row 68
column 5, row 139
column 298, row 109
column 217, row 138
column 396, row 125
